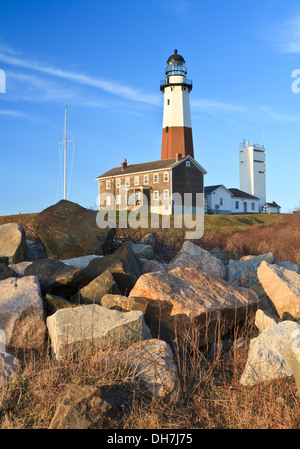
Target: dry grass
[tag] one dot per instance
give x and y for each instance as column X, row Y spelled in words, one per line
column 212, row 396
column 281, row 237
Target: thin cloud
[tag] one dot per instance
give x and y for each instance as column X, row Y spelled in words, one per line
column 18, row 114
column 286, row 35
column 208, row 105
column 118, row 89
column 279, row 116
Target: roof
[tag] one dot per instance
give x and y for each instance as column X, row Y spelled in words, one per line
column 273, row 204
column 176, row 57
column 161, row 164
column 240, row 194
column 210, row 189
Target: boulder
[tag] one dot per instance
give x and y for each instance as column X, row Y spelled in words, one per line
column 35, row 250
column 153, row 363
column 221, row 254
column 242, row 273
column 93, row 292
column 266, row 357
column 268, row 257
column 20, row 267
column 124, row 303
column 68, row 230
column 6, row 272
column 83, row 407
column 148, row 266
column 22, row 313
column 292, row 356
column 185, row 298
column 91, row 327
column 80, row 262
column 122, row 272
column 127, row 255
column 142, row 251
column 265, row 303
column 283, row 288
column 57, row 278
column 13, row 242
column 289, row 266
column 54, row 302
column 193, row 256
column 264, row 319
column 9, row 367
column 149, row 239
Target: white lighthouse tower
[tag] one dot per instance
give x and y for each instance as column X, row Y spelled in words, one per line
column 177, row 126
column 253, row 170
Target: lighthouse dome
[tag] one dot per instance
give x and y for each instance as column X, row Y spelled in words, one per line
column 176, row 57
column 176, row 65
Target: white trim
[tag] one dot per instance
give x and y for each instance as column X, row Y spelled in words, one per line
column 193, row 161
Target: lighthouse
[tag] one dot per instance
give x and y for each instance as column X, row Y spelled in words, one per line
column 177, row 126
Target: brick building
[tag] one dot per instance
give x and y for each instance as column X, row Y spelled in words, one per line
column 153, row 184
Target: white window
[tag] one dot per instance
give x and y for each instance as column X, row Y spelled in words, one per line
column 118, row 199
column 108, row 201
column 166, row 176
column 252, row 205
column 187, row 163
column 136, row 180
column 127, row 182
column 155, row 177
column 155, row 195
column 107, row 185
column 221, row 201
column 118, row 183
column 237, row 205
column 146, row 179
column 166, row 194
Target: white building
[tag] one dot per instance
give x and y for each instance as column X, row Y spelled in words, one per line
column 218, row 200
column 271, row 208
column 243, row 202
column 223, row 201
column 253, row 170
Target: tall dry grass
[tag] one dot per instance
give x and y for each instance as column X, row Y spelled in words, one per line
column 281, row 237
column 212, row 396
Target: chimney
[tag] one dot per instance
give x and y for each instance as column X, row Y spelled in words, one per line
column 178, row 157
column 124, row 164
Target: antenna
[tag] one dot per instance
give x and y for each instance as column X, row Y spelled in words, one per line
column 65, row 155
column 263, row 135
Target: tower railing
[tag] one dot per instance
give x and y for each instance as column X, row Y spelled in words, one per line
column 186, row 82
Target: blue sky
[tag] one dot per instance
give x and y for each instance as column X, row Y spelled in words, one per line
column 105, row 61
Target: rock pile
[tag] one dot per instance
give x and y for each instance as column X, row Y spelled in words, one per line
column 80, row 291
